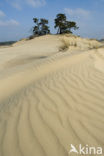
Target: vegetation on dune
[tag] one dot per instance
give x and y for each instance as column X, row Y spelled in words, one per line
column 78, row 43
column 7, row 43
column 41, row 27
column 63, row 25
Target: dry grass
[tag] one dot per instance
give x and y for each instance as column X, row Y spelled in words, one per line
column 73, row 42
column 65, row 45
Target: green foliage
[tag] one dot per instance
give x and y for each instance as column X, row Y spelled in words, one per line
column 63, row 25
column 41, row 27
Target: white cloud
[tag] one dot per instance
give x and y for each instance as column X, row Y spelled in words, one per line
column 77, row 12
column 2, row 14
column 19, row 4
column 82, row 17
column 36, row 3
column 6, row 21
column 11, row 22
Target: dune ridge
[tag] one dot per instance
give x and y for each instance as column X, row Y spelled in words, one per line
column 49, row 103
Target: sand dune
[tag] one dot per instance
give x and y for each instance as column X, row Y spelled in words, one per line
column 50, row 99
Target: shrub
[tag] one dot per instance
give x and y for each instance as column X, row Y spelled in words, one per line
column 31, row 37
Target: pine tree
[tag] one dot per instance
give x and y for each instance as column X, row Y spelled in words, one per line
column 41, row 27
column 63, row 25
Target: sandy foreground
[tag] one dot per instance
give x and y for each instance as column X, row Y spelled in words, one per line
column 50, row 99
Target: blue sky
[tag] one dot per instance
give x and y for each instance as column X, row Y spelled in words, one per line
column 16, row 16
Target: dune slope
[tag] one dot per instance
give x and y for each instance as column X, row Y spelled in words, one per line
column 50, row 99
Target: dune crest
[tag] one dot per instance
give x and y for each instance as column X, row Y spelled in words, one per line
column 50, row 99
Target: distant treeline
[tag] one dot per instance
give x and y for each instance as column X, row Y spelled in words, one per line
column 7, row 43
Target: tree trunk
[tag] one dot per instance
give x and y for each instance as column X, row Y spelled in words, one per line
column 58, row 31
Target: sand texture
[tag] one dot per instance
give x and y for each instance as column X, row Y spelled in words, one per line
column 50, row 99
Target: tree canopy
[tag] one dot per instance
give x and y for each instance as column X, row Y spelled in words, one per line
column 41, row 26
column 63, row 25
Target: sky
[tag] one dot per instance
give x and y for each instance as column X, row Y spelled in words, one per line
column 16, row 16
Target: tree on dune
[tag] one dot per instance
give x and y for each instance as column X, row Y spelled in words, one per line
column 63, row 25
column 41, row 27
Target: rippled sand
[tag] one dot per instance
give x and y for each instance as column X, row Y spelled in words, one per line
column 50, row 99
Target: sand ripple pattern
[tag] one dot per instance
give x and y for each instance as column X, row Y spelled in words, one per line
column 62, row 108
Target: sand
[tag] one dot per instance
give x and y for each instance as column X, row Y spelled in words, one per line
column 50, row 99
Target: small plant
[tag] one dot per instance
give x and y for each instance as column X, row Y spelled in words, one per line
column 68, row 42
column 63, row 47
column 31, row 37
column 75, row 44
column 96, row 46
